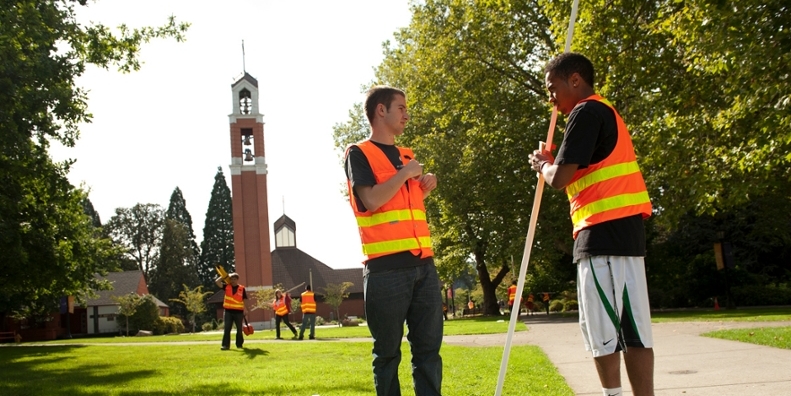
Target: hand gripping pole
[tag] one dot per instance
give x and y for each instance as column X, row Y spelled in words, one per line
column 531, row 230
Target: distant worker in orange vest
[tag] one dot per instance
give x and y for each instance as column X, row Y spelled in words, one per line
column 235, row 310
column 282, row 307
column 512, row 296
column 597, row 166
column 308, row 307
column 387, row 186
column 529, row 304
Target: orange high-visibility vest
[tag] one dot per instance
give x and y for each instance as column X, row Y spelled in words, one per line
column 611, row 189
column 234, row 301
column 279, row 305
column 400, row 224
column 308, row 303
column 511, row 294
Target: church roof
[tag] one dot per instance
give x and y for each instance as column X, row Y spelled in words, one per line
column 291, row 267
column 285, row 220
column 246, row 77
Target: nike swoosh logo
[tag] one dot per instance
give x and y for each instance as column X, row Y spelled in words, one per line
column 609, row 341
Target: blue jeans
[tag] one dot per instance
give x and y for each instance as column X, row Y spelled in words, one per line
column 413, row 295
column 308, row 319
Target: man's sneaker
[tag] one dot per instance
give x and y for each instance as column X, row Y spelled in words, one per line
column 278, row 338
column 224, row 348
column 312, row 338
column 239, row 347
column 300, row 338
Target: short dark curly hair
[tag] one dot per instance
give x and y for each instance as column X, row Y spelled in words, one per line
column 568, row 63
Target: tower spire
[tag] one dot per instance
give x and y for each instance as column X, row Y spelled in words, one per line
column 244, row 67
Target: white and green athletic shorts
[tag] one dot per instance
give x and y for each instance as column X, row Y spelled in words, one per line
column 613, row 304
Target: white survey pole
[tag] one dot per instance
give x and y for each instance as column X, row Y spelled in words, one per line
column 531, row 229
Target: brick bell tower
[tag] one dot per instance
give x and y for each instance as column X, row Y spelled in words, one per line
column 248, row 186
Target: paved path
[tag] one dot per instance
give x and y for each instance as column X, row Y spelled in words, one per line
column 686, row 363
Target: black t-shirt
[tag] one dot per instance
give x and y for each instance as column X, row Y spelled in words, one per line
column 360, row 173
column 233, row 291
column 591, row 135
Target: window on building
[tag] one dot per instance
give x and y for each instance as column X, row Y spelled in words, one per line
column 285, row 238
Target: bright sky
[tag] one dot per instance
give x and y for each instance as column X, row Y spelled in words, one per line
column 167, row 125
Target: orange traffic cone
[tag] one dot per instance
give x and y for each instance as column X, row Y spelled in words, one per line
column 716, row 304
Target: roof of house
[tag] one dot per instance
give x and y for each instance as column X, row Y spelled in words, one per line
column 122, row 283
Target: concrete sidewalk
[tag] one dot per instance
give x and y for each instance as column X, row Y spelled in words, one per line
column 686, row 363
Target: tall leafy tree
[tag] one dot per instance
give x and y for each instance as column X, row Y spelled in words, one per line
column 472, row 73
column 175, row 264
column 43, row 229
column 138, row 230
column 217, row 245
column 334, row 295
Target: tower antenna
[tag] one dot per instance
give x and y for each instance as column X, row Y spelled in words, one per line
column 244, row 69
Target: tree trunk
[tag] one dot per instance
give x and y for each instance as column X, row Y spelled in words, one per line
column 489, row 286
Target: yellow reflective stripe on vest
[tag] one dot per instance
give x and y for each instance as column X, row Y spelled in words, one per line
column 606, row 173
column 391, row 216
column 398, row 245
column 603, row 205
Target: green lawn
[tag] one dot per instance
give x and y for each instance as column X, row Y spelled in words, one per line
column 287, row 368
column 778, row 337
column 730, row 315
column 474, row 325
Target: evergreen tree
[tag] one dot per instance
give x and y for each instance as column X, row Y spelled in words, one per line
column 217, row 245
column 177, row 210
column 87, row 206
column 174, row 265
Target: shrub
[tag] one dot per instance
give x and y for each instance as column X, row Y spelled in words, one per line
column 144, row 318
column 319, row 320
column 570, row 305
column 752, row 295
column 208, row 326
column 556, row 305
column 171, row 324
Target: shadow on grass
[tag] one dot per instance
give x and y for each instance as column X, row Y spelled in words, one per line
column 20, row 364
column 252, row 353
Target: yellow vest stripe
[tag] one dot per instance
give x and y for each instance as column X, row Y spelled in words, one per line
column 606, row 173
column 398, row 245
column 603, row 205
column 391, row 216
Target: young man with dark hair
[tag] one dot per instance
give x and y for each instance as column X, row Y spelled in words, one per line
column 235, row 309
column 597, row 166
column 386, row 190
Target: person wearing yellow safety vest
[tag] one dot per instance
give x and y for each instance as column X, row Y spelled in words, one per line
column 282, row 307
column 387, row 187
column 308, row 307
column 235, row 310
column 596, row 165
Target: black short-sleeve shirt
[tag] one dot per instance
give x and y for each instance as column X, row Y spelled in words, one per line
column 360, row 173
column 591, row 135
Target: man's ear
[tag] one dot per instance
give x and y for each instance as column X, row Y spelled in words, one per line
column 381, row 109
column 575, row 80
